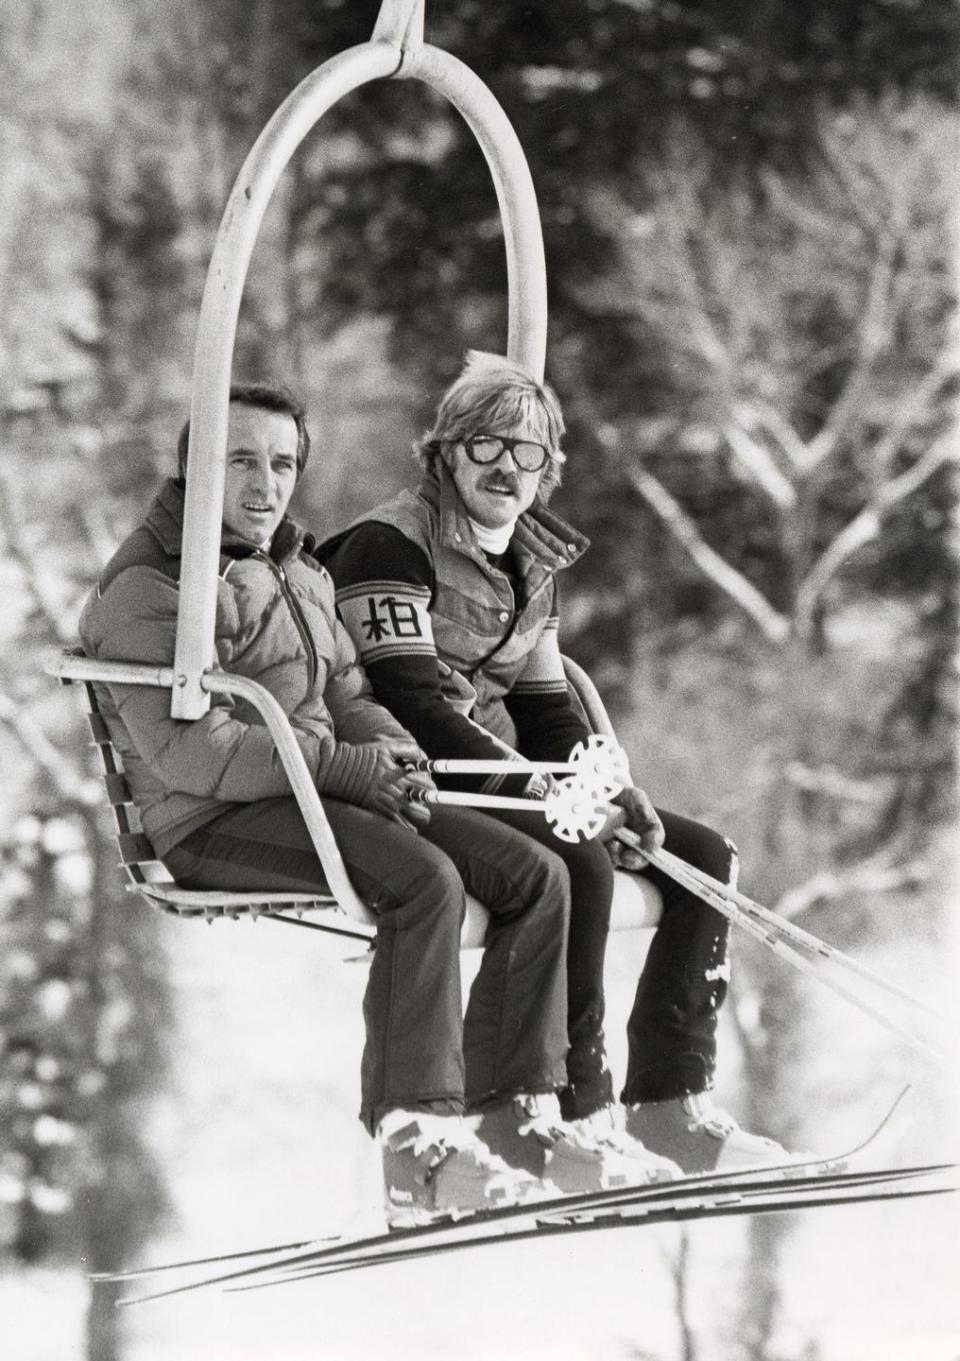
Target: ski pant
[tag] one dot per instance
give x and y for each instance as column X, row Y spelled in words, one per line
column 421, row 1052
column 671, row 1030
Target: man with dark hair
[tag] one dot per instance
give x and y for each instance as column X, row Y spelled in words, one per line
column 450, row 595
column 217, row 805
column 264, row 397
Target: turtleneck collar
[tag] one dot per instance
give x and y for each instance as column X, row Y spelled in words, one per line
column 538, row 534
column 493, row 541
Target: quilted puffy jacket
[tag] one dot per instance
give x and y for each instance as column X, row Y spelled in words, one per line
column 276, row 623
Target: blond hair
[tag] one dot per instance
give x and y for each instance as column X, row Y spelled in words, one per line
column 491, row 394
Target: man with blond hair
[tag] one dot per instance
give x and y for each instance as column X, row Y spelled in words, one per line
column 450, row 593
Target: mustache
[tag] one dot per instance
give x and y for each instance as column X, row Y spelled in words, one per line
column 508, row 480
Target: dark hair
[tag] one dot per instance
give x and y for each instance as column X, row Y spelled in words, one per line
column 270, row 397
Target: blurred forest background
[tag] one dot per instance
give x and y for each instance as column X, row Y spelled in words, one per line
column 750, row 217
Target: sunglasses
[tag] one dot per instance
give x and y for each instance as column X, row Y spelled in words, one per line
column 528, row 457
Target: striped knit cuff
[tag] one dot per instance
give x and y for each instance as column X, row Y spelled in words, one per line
column 349, row 773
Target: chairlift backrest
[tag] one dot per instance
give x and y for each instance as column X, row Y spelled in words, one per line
column 149, row 877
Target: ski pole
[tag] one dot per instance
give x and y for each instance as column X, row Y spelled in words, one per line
column 599, row 763
column 464, row 765
column 805, row 939
column 788, row 953
column 467, row 799
column 763, row 933
column 572, row 810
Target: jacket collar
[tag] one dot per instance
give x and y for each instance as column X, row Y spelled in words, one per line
column 541, row 537
column 165, row 522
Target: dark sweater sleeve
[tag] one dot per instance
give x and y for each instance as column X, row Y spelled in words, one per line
column 549, row 723
column 547, row 729
column 384, row 587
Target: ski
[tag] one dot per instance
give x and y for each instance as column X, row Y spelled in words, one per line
column 822, row 1164
column 645, row 1206
column 856, row 1189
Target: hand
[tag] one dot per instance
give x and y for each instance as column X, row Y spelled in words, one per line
column 415, row 812
column 540, row 784
column 389, row 792
column 402, row 749
column 638, row 815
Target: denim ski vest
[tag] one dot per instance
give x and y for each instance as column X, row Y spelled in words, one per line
column 484, row 636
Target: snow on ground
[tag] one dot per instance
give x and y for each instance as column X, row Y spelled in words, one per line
column 261, row 1142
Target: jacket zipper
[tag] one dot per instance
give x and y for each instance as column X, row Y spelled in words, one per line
column 296, row 611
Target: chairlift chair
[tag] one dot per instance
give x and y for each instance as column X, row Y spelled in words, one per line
column 396, row 50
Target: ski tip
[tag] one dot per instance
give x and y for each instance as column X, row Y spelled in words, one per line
column 140, row 1273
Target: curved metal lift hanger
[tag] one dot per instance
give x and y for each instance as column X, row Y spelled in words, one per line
column 396, row 50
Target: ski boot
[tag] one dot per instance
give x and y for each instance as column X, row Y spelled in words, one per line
column 607, row 1127
column 698, row 1136
column 435, row 1167
column 528, row 1133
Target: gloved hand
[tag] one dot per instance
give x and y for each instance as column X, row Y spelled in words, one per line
column 388, row 792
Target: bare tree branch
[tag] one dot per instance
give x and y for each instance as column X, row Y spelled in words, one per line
column 772, row 624
column 805, row 214
column 757, row 412
column 873, row 331
column 71, row 786
column 915, row 406
column 870, row 876
column 680, row 184
column 757, row 462
column 866, row 525
column 828, row 780
column 37, row 581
